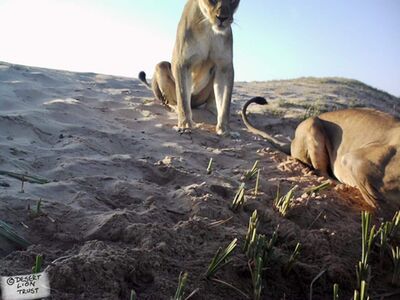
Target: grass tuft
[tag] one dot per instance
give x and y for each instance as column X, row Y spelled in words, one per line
column 250, row 174
column 362, row 294
column 319, row 188
column 251, row 232
column 9, row 233
column 181, row 286
column 38, row 209
column 25, row 177
column 335, row 291
column 257, row 187
column 221, row 258
column 256, row 276
column 209, row 168
column 133, row 295
column 395, row 254
column 292, row 259
column 363, row 269
column 239, row 199
column 259, row 252
column 386, row 233
column 283, row 203
column 38, row 264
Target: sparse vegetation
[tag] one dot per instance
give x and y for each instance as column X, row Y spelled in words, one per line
column 395, row 254
column 251, row 232
column 38, row 264
column 258, row 251
column 9, row 233
column 257, row 261
column 363, row 268
column 22, row 184
column 386, row 233
column 239, row 198
column 318, row 188
column 179, row 294
column 335, row 291
column 313, row 110
column 38, row 209
column 221, row 258
column 149, row 217
column 257, row 183
column 283, row 203
column 256, row 276
column 24, row 177
column 293, row 258
column 133, row 295
column 209, row 168
column 250, row 174
column 362, row 294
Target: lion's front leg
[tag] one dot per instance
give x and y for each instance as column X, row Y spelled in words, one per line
column 183, row 96
column 223, row 85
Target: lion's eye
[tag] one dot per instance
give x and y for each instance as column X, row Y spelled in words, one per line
column 213, row 2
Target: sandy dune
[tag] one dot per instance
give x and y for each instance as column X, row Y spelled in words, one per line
column 129, row 204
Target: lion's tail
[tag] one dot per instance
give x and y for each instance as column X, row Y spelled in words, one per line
column 284, row 147
column 142, row 78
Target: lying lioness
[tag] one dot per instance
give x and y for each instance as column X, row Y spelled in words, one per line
column 201, row 70
column 360, row 147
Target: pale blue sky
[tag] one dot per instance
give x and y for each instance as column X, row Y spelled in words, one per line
column 282, row 39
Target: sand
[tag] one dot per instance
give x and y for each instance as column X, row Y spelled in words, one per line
column 129, row 203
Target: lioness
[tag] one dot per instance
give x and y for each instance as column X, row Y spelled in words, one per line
column 359, row 146
column 202, row 69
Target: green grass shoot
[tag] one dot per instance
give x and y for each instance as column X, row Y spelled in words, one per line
column 395, row 254
column 293, row 258
column 179, row 294
column 221, row 258
column 39, row 206
column 283, row 203
column 133, row 295
column 22, row 184
column 363, row 269
column 260, row 246
column 251, row 232
column 256, row 276
column 38, row 264
column 319, row 188
column 257, row 183
column 25, row 177
column 387, row 232
column 335, row 291
column 210, row 165
column 250, row 174
column 259, row 253
column 38, row 209
column 362, row 294
column 239, row 199
column 9, row 233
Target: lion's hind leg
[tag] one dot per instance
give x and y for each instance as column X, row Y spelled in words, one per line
column 365, row 169
column 163, row 84
column 311, row 145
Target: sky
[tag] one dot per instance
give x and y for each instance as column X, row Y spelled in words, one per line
column 279, row 39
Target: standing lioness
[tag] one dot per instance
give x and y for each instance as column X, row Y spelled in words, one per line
column 202, row 69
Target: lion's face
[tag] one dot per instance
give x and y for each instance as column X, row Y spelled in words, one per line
column 219, row 13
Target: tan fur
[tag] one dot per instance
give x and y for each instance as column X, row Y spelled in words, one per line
column 360, row 147
column 201, row 70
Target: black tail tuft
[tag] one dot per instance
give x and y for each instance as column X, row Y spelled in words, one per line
column 142, row 76
column 259, row 100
